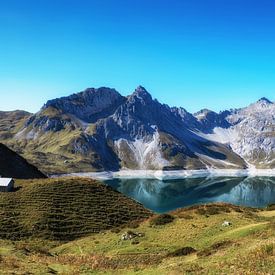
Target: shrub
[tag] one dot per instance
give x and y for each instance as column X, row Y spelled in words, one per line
column 270, row 207
column 214, row 248
column 185, row 216
column 135, row 241
column 201, row 211
column 116, row 230
column 239, row 210
column 209, row 210
column 182, row 252
column 161, row 219
column 213, row 210
column 269, row 249
column 133, row 224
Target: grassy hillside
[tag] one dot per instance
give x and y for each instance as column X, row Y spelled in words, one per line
column 11, row 123
column 14, row 166
column 52, row 152
column 64, row 209
column 189, row 241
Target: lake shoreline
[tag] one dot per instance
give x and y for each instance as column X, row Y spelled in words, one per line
column 173, row 174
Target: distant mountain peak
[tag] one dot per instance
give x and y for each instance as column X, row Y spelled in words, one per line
column 260, row 104
column 142, row 93
column 141, row 89
column 264, row 100
column 203, row 112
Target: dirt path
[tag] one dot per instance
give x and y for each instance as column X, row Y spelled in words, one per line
column 248, row 226
column 267, row 214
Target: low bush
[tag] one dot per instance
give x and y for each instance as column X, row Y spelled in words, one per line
column 271, row 207
column 185, row 216
column 269, row 249
column 116, row 230
column 135, row 241
column 133, row 224
column 209, row 210
column 214, row 248
column 161, row 219
column 182, row 252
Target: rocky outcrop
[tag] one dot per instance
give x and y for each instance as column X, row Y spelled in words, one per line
column 208, row 120
column 88, row 105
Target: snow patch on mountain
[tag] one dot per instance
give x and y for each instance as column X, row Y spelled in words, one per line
column 145, row 153
column 222, row 135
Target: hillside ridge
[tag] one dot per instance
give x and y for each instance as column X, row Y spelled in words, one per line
column 13, row 165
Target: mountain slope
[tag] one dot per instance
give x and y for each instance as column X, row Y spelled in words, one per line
column 14, row 166
column 11, row 123
column 251, row 133
column 98, row 129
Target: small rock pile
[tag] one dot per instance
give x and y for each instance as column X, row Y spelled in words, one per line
column 129, row 235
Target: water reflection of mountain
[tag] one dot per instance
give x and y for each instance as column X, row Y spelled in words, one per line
column 162, row 196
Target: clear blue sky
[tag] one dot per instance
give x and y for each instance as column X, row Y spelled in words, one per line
column 192, row 53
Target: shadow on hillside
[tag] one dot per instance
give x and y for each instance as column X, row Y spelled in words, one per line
column 16, row 188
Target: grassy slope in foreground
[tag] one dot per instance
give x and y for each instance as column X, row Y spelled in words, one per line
column 245, row 247
column 64, row 209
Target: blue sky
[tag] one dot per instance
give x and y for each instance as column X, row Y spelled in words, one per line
column 201, row 53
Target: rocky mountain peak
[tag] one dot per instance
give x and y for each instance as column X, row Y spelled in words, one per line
column 203, row 113
column 88, row 105
column 88, row 97
column 264, row 100
column 208, row 120
column 142, row 94
column 141, row 89
column 258, row 106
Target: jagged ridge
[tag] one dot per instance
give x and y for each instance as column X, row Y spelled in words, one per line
column 98, row 129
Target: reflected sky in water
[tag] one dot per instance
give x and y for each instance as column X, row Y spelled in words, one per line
column 165, row 195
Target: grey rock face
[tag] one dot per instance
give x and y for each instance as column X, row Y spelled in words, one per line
column 208, row 120
column 254, row 131
column 143, row 131
column 88, row 105
column 187, row 118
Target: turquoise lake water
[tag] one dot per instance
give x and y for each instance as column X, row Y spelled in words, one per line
column 166, row 195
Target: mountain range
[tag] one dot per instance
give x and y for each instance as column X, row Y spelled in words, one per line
column 99, row 129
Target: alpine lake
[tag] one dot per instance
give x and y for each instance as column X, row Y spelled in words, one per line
column 165, row 195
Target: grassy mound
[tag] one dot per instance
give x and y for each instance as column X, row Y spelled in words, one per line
column 64, row 209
